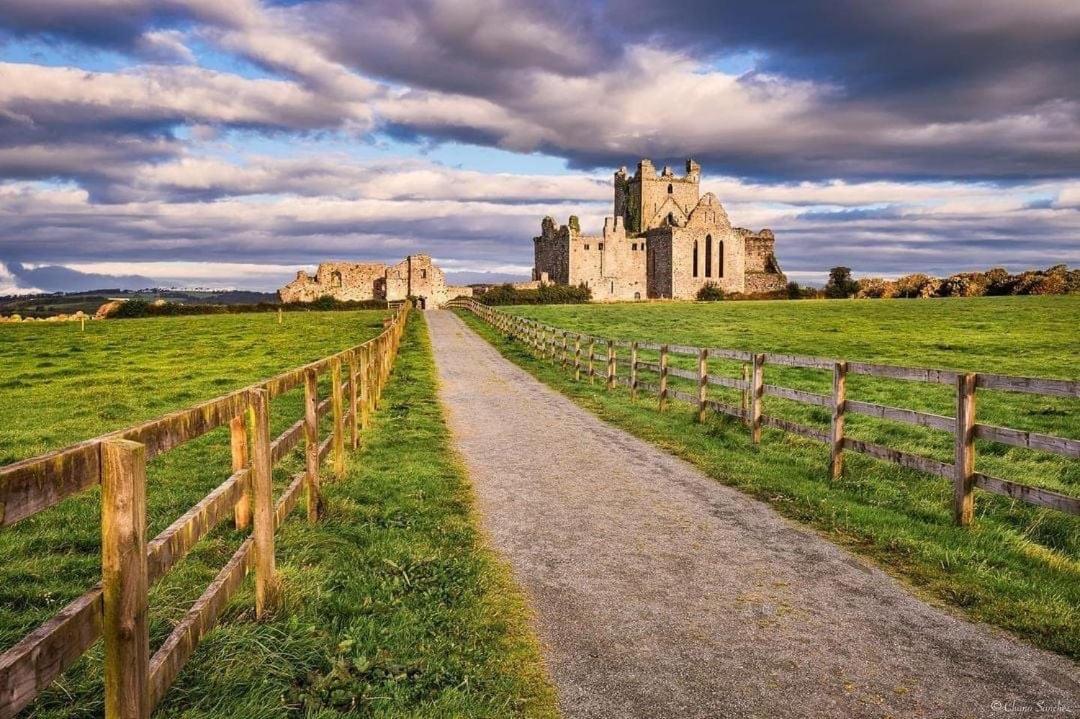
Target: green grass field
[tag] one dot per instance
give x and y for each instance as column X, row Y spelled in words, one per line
column 1018, row 567
column 393, row 606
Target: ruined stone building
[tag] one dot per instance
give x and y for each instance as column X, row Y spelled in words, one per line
column 415, row 276
column 664, row 240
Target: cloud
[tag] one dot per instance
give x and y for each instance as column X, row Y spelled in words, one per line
column 58, row 278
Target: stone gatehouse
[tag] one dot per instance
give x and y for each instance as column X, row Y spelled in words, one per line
column 664, row 240
column 415, row 276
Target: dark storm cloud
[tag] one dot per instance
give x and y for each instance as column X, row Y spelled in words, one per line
column 477, row 47
column 57, row 278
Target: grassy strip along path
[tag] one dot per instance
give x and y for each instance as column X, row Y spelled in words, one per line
column 993, row 571
column 393, row 606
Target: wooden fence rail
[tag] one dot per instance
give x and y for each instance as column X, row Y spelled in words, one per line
column 963, row 425
column 116, row 610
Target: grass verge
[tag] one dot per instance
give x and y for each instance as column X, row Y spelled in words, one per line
column 1005, row 570
column 393, row 605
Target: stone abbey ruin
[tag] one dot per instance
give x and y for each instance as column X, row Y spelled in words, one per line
column 416, row 276
column 664, row 240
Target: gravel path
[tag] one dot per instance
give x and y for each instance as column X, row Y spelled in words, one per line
column 661, row 593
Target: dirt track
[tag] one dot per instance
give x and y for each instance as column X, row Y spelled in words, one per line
column 661, row 593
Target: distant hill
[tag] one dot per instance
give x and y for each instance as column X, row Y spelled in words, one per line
column 53, row 303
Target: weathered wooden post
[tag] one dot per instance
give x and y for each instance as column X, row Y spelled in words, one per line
column 238, row 444
column 565, row 348
column 703, row 382
column 836, row 428
column 337, row 402
column 577, row 358
column 592, row 358
column 354, row 391
column 610, row 365
column 311, row 444
column 662, row 392
column 365, row 385
column 757, row 394
column 964, row 462
column 633, row 369
column 124, row 582
column 745, row 406
column 266, row 589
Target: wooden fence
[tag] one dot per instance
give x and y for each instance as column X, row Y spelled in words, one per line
column 117, row 609
column 579, row 352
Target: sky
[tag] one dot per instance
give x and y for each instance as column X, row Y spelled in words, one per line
column 204, row 143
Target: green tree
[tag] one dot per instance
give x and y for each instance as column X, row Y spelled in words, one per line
column 840, row 284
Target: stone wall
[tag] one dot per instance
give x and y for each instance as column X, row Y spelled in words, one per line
column 415, row 276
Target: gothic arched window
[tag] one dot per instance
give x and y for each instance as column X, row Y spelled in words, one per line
column 695, row 258
column 671, row 218
column 708, row 255
column 720, row 259
column 670, row 189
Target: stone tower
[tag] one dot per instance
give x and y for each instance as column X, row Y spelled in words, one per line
column 647, row 199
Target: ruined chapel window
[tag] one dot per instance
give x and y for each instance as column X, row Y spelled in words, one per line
column 600, row 246
column 695, row 258
column 423, row 274
column 671, row 218
column 634, row 247
column 670, row 189
column 708, row 255
column 586, row 247
column 719, row 259
column 335, row 279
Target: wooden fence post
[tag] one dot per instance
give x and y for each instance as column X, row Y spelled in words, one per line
column 964, row 462
column 266, row 590
column 365, row 385
column 592, row 358
column 577, row 358
column 238, row 443
column 703, row 382
column 633, row 369
column 610, row 365
column 745, row 406
column 124, row 581
column 311, row 444
column 337, row 402
column 662, row 393
column 565, row 348
column 836, row 428
column 757, row 393
column 354, row 420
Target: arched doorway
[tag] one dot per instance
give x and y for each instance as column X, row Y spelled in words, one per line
column 421, row 303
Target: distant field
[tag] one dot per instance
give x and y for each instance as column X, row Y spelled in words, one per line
column 59, row 386
column 1034, row 336
column 1018, row 567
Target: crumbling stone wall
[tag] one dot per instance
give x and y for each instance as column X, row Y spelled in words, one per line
column 415, row 276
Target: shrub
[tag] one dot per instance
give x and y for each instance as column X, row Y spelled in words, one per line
column 875, row 288
column 710, row 292
column 545, row 295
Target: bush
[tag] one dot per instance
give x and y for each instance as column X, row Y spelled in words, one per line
column 545, row 295
column 143, row 308
column 875, row 288
column 710, row 292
